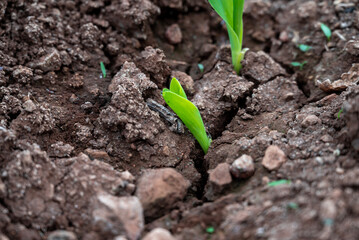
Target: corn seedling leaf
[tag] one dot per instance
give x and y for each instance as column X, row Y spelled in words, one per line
column 340, row 111
column 278, row 182
column 326, row 30
column 292, row 205
column 103, row 69
column 231, row 11
column 176, row 87
column 189, row 114
column 298, row 64
column 201, row 67
column 210, row 230
column 304, row 48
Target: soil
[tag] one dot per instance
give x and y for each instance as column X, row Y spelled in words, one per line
column 82, row 156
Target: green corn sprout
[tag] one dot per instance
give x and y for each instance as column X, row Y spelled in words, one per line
column 231, row 11
column 201, row 67
column 304, row 48
column 279, row 182
column 340, row 111
column 176, row 98
column 326, row 30
column 103, row 69
column 298, row 64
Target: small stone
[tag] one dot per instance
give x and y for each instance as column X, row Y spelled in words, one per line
column 59, row 149
column 283, row 36
column 76, row 81
column 219, row 179
column 74, row 99
column 22, row 74
column 2, row 189
column 220, row 175
column 113, row 48
column 159, row 190
column 174, row 34
column 352, row 47
column 119, row 213
column 62, row 235
column 120, row 238
column 328, row 210
column 326, row 138
column 310, row 120
column 29, row 106
column 97, row 154
column 159, row 234
column 242, row 167
column 87, row 106
column 274, row 158
column 50, row 62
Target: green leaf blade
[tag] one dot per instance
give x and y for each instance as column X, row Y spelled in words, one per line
column 190, row 116
column 103, row 69
column 326, row 30
column 224, row 9
column 231, row 11
column 304, row 48
column 278, row 182
column 176, row 87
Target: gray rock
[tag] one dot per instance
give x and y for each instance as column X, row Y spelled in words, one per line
column 242, row 167
column 118, row 213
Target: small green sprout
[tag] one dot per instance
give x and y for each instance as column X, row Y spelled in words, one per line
column 103, row 69
column 326, row 30
column 176, row 98
column 200, row 67
column 304, row 48
column 298, row 64
column 210, row 230
column 231, row 11
column 278, row 182
column 292, row 205
column 340, row 111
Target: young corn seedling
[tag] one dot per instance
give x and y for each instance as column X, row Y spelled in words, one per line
column 231, row 11
column 103, row 69
column 304, row 48
column 176, row 98
column 326, row 30
column 299, row 64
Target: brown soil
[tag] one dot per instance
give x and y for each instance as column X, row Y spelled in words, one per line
column 84, row 153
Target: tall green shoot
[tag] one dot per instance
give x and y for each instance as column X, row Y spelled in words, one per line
column 231, row 11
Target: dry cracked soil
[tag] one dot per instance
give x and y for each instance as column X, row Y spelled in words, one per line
column 83, row 156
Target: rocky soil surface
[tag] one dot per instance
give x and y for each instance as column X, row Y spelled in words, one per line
column 83, row 156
